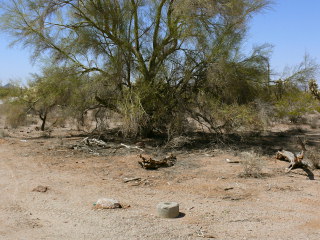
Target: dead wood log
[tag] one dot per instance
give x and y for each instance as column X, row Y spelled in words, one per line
column 94, row 142
column 295, row 160
column 152, row 164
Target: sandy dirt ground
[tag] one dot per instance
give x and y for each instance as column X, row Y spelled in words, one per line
column 215, row 203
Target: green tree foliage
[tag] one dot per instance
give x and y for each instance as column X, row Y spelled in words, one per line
column 4, row 92
column 158, row 59
column 292, row 94
column 295, row 104
column 52, row 89
column 10, row 90
column 10, row 106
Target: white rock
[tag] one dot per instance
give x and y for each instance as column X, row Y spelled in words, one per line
column 107, row 203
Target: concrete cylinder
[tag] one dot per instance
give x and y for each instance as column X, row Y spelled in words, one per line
column 168, row 209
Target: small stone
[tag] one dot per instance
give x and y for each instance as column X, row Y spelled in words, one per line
column 231, row 161
column 107, row 203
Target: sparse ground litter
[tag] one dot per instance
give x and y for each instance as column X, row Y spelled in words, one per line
column 215, row 201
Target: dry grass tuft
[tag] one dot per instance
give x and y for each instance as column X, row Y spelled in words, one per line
column 252, row 165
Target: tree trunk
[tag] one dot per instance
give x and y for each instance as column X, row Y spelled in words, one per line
column 43, row 118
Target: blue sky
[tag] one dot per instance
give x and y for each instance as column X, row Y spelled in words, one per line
column 291, row 26
column 15, row 62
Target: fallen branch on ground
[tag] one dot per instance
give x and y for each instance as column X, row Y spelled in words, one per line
column 126, row 180
column 94, row 142
column 296, row 160
column 155, row 164
column 129, row 147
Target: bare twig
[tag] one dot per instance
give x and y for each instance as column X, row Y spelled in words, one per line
column 126, row 180
column 130, row 147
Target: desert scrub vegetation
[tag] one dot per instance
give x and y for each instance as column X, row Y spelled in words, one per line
column 160, row 72
column 252, row 164
column 15, row 115
column 164, row 61
column 3, row 133
column 314, row 122
column 295, row 104
column 134, row 117
column 313, row 156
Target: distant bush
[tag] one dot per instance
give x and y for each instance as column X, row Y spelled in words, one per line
column 15, row 115
column 295, row 104
column 228, row 118
column 3, row 133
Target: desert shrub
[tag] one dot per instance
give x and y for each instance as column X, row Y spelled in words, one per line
column 3, row 133
column 240, row 118
column 252, row 165
column 16, row 115
column 227, row 118
column 57, row 118
column 265, row 112
column 313, row 156
column 2, row 108
column 294, row 105
column 59, row 122
column 101, row 119
column 164, row 109
column 134, row 117
column 178, row 125
column 314, row 122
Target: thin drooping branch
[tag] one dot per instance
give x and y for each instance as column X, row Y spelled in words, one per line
column 136, row 49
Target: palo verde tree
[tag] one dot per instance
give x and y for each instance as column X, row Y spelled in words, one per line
column 153, row 55
column 51, row 89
